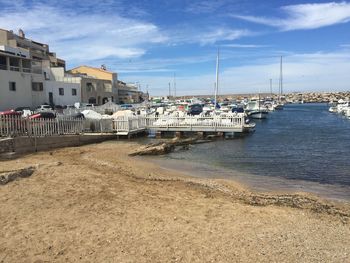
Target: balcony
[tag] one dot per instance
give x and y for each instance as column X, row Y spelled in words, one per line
column 14, row 68
column 19, row 65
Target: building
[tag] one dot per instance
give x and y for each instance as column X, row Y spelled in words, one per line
column 31, row 75
column 37, row 51
column 121, row 91
column 98, row 84
column 27, row 74
column 129, row 93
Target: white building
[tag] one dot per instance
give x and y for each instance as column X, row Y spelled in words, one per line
column 23, row 83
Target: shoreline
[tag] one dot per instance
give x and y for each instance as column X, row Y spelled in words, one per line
column 252, row 182
column 98, row 204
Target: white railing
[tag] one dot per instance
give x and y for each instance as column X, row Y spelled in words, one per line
column 195, row 122
column 18, row 126
column 129, row 123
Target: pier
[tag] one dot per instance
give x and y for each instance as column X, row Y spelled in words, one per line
column 14, row 126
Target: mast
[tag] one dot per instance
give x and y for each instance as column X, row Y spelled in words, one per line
column 271, row 88
column 217, row 77
column 169, row 91
column 280, row 90
column 175, row 85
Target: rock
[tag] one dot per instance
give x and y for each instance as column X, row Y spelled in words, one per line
column 6, row 177
column 160, row 149
column 164, row 147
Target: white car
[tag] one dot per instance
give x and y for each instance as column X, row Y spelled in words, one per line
column 43, row 108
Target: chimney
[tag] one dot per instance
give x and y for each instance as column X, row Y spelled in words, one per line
column 21, row 33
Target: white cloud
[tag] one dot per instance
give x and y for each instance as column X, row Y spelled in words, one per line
column 306, row 16
column 83, row 36
column 244, row 46
column 208, row 36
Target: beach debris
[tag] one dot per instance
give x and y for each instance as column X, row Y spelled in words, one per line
column 8, row 176
column 164, row 147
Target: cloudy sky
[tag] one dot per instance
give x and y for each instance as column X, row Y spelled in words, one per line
column 148, row 41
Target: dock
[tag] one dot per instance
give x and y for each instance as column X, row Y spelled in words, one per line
column 14, row 126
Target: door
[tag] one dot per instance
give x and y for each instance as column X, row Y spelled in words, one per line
column 51, row 98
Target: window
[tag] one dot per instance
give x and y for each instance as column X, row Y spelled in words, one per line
column 107, row 87
column 12, row 86
column 37, row 86
column 89, row 87
column 61, row 91
column 74, row 92
column 46, row 75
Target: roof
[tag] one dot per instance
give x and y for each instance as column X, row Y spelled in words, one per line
column 106, row 71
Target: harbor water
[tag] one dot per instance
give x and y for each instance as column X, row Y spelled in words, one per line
column 301, row 148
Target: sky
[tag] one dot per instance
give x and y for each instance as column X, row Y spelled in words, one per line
column 148, row 42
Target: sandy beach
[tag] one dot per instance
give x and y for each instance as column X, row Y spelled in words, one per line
column 97, row 204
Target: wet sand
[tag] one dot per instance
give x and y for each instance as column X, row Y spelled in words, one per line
column 96, row 204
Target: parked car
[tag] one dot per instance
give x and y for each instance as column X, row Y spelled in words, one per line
column 10, row 113
column 195, row 109
column 126, row 106
column 43, row 107
column 25, row 111
column 43, row 115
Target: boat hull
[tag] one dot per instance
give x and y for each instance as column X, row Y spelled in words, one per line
column 258, row 114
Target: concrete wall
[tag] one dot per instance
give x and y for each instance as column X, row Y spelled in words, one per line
column 67, row 98
column 23, row 94
column 23, row 145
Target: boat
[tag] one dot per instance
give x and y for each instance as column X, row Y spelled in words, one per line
column 254, row 111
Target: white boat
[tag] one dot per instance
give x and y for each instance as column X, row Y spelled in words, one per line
column 342, row 106
column 258, row 114
column 254, row 111
column 347, row 112
column 333, row 109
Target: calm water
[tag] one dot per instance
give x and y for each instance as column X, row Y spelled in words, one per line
column 303, row 147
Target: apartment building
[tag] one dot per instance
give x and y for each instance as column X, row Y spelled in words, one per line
column 98, row 84
column 129, row 93
column 26, row 78
column 31, row 75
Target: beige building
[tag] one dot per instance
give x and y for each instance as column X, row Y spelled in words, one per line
column 98, row 84
column 129, row 93
column 36, row 51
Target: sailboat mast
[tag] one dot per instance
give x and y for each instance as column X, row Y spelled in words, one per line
column 175, row 85
column 271, row 88
column 217, row 77
column 281, row 79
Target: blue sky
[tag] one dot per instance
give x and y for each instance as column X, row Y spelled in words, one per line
column 149, row 41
